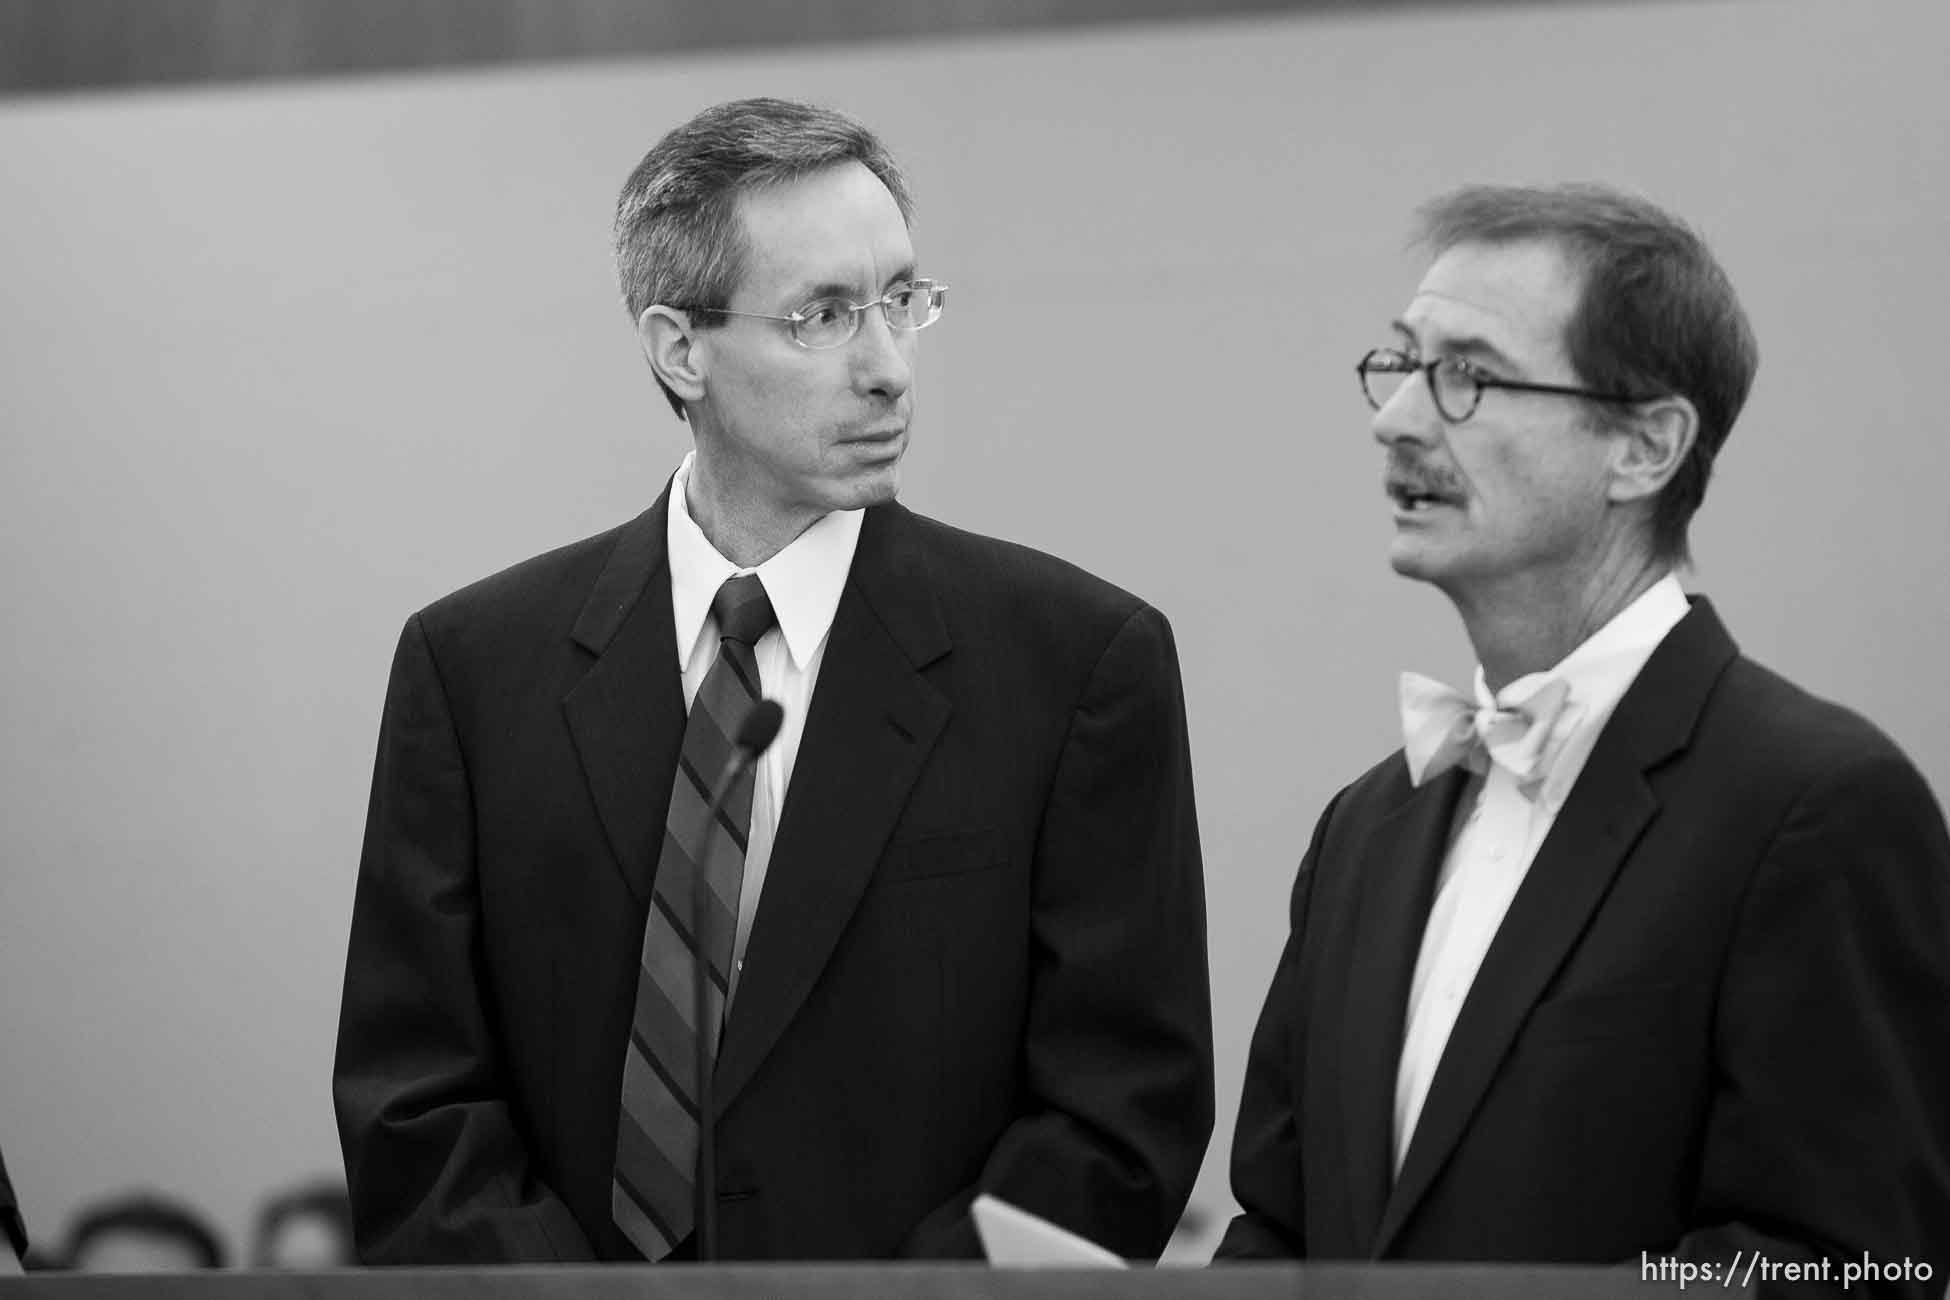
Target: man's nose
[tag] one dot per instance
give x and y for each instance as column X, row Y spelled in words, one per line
column 883, row 360
column 1409, row 415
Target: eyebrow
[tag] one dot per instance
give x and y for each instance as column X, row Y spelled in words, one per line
column 1468, row 346
column 834, row 289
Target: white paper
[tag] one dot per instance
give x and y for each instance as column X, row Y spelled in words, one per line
column 1015, row 1238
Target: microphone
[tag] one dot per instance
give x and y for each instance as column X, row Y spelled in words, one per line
column 757, row 732
column 755, row 735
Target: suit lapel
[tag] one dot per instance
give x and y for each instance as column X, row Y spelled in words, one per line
column 874, row 719
column 1398, row 870
column 1608, row 809
column 627, row 713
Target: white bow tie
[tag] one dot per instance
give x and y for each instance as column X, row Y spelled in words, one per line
column 1443, row 728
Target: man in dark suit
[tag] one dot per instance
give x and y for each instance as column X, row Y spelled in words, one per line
column 963, row 933
column 1637, row 952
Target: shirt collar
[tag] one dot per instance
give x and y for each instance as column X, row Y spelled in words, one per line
column 1597, row 673
column 803, row 581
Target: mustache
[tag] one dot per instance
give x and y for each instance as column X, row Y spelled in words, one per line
column 1422, row 478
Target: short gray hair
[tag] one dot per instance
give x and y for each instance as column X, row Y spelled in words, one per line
column 679, row 242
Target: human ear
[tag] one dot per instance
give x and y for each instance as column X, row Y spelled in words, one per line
column 674, row 350
column 1650, row 444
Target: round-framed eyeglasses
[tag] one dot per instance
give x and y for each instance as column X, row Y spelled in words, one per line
column 1455, row 383
column 831, row 322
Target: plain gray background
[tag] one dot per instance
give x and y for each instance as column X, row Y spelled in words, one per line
column 280, row 365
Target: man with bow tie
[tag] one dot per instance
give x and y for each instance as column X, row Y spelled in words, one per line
column 1635, row 952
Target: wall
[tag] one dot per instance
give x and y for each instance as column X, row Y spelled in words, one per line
column 62, row 45
column 279, row 366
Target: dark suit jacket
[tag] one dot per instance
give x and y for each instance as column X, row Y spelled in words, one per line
column 1715, row 1018
column 12, row 1226
column 978, row 963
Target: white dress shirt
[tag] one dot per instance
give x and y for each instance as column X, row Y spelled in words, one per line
column 803, row 582
column 1502, row 830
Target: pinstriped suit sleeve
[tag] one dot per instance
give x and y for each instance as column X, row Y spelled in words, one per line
column 437, row 1169
column 1117, row 1048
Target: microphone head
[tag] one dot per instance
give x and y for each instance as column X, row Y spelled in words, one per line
column 760, row 728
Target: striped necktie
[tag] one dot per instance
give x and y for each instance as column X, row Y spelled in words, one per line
column 652, row 1197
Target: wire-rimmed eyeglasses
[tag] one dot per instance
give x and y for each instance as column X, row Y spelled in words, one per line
column 1455, row 383
column 831, row 322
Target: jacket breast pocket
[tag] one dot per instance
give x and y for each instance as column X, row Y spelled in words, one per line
column 943, row 853
column 1645, row 1012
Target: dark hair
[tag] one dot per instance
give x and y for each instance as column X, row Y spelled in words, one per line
column 145, row 1214
column 1656, row 314
column 678, row 238
column 324, row 1199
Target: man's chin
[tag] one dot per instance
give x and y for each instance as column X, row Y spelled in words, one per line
column 1412, row 558
column 874, row 486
